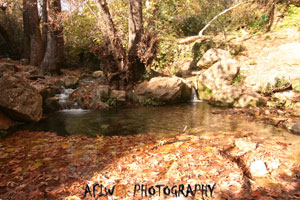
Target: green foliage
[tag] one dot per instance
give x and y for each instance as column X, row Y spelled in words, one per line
column 292, row 18
column 81, row 33
column 166, row 54
column 47, row 73
column 237, row 80
column 151, row 102
column 111, row 102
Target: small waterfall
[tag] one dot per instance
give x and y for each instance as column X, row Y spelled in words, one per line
column 64, row 101
column 194, row 96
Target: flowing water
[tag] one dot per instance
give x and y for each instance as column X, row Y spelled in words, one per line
column 196, row 116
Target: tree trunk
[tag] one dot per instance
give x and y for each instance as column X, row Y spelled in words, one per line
column 115, row 71
column 54, row 54
column 271, row 13
column 136, row 30
column 126, row 69
column 44, row 23
column 33, row 45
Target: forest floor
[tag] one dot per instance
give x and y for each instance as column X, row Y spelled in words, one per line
column 227, row 165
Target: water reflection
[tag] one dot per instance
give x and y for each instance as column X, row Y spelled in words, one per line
column 197, row 117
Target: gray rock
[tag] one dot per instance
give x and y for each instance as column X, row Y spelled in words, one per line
column 119, row 95
column 215, row 86
column 102, row 92
column 71, row 81
column 212, row 56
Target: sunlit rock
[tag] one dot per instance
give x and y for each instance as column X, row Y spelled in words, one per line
column 98, row 74
column 258, row 168
column 250, row 99
column 212, row 56
column 164, row 89
column 245, row 145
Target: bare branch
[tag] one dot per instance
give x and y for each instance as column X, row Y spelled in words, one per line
column 221, row 13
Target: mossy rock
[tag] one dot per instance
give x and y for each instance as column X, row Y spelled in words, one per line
column 249, row 100
column 199, row 48
column 234, row 49
column 279, row 84
column 296, row 85
column 204, row 92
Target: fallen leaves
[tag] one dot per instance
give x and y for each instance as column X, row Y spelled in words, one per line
column 42, row 165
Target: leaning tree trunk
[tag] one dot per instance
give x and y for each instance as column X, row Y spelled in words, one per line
column 54, row 54
column 32, row 34
column 136, row 30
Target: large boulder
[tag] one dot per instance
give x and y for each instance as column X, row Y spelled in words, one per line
column 220, row 74
column 268, row 82
column 19, row 100
column 212, row 56
column 164, row 89
column 215, row 83
column 277, row 71
column 286, row 54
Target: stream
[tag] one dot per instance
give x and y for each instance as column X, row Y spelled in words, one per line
column 170, row 119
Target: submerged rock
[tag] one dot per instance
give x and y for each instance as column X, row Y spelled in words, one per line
column 164, row 89
column 258, row 168
column 295, row 128
column 245, row 145
column 19, row 100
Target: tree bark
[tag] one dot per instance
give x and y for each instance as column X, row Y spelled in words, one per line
column 135, row 22
column 126, row 68
column 54, row 54
column 32, row 34
column 136, row 30
column 44, row 23
column 271, row 14
column 115, row 48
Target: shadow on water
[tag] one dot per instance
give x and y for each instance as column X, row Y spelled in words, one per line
column 197, row 117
